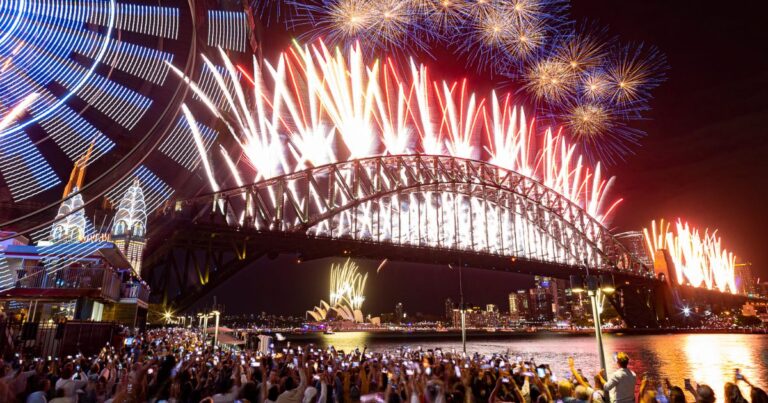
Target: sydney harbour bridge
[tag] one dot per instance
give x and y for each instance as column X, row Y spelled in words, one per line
column 407, row 208
column 346, row 157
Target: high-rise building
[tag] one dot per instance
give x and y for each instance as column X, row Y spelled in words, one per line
column 542, row 307
column 456, row 317
column 518, row 305
column 745, row 280
column 449, row 305
column 491, row 316
column 399, row 312
column 129, row 228
column 561, row 299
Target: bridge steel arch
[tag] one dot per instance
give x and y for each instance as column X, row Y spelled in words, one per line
column 437, row 202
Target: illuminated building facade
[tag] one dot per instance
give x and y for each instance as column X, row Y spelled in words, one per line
column 518, row 305
column 129, row 227
column 399, row 312
column 70, row 221
column 69, row 224
column 746, row 280
column 59, row 282
column 448, row 312
column 477, row 317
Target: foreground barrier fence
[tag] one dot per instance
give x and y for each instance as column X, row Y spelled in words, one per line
column 55, row 339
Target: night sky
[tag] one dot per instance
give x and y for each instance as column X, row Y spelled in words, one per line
column 705, row 159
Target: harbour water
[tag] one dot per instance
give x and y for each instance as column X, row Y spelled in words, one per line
column 703, row 358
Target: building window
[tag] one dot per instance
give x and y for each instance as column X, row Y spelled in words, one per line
column 120, row 228
column 138, row 229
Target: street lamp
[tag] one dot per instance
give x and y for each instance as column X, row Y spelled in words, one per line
column 216, row 332
column 462, row 310
column 595, row 286
column 204, row 317
column 203, row 320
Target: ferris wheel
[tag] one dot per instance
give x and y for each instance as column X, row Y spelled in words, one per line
column 92, row 77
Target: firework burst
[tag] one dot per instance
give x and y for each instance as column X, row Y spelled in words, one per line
column 317, row 106
column 442, row 18
column 572, row 72
column 698, row 257
column 633, row 72
column 551, row 81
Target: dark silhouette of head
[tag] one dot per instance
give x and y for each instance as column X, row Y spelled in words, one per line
column 676, row 395
column 733, row 394
column 758, row 395
column 289, row 383
column 706, row 394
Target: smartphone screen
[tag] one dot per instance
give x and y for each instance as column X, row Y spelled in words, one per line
column 541, row 372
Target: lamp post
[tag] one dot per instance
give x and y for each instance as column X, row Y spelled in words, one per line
column 168, row 316
column 595, row 286
column 204, row 317
column 462, row 311
column 216, row 332
column 203, row 320
column 463, row 314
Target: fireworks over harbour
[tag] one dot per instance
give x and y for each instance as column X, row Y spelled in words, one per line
column 281, row 88
column 574, row 75
column 317, row 105
column 312, row 93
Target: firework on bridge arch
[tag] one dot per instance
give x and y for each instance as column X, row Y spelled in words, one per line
column 577, row 75
column 316, row 106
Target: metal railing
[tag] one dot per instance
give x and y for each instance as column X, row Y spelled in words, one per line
column 137, row 291
column 95, row 278
column 32, row 339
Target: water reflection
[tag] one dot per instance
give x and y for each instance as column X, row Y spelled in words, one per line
column 704, row 358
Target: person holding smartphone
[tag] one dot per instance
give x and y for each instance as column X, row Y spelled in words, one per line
column 702, row 393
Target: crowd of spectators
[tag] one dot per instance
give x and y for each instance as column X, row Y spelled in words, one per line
column 175, row 365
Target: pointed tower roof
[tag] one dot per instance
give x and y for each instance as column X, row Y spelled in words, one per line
column 131, row 208
column 71, row 216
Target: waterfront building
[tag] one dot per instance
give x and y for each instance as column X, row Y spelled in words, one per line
column 518, row 305
column 448, row 309
column 476, row 317
column 399, row 313
column 71, row 281
column 541, row 301
column 746, row 283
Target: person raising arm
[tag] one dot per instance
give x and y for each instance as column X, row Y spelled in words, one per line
column 621, row 384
